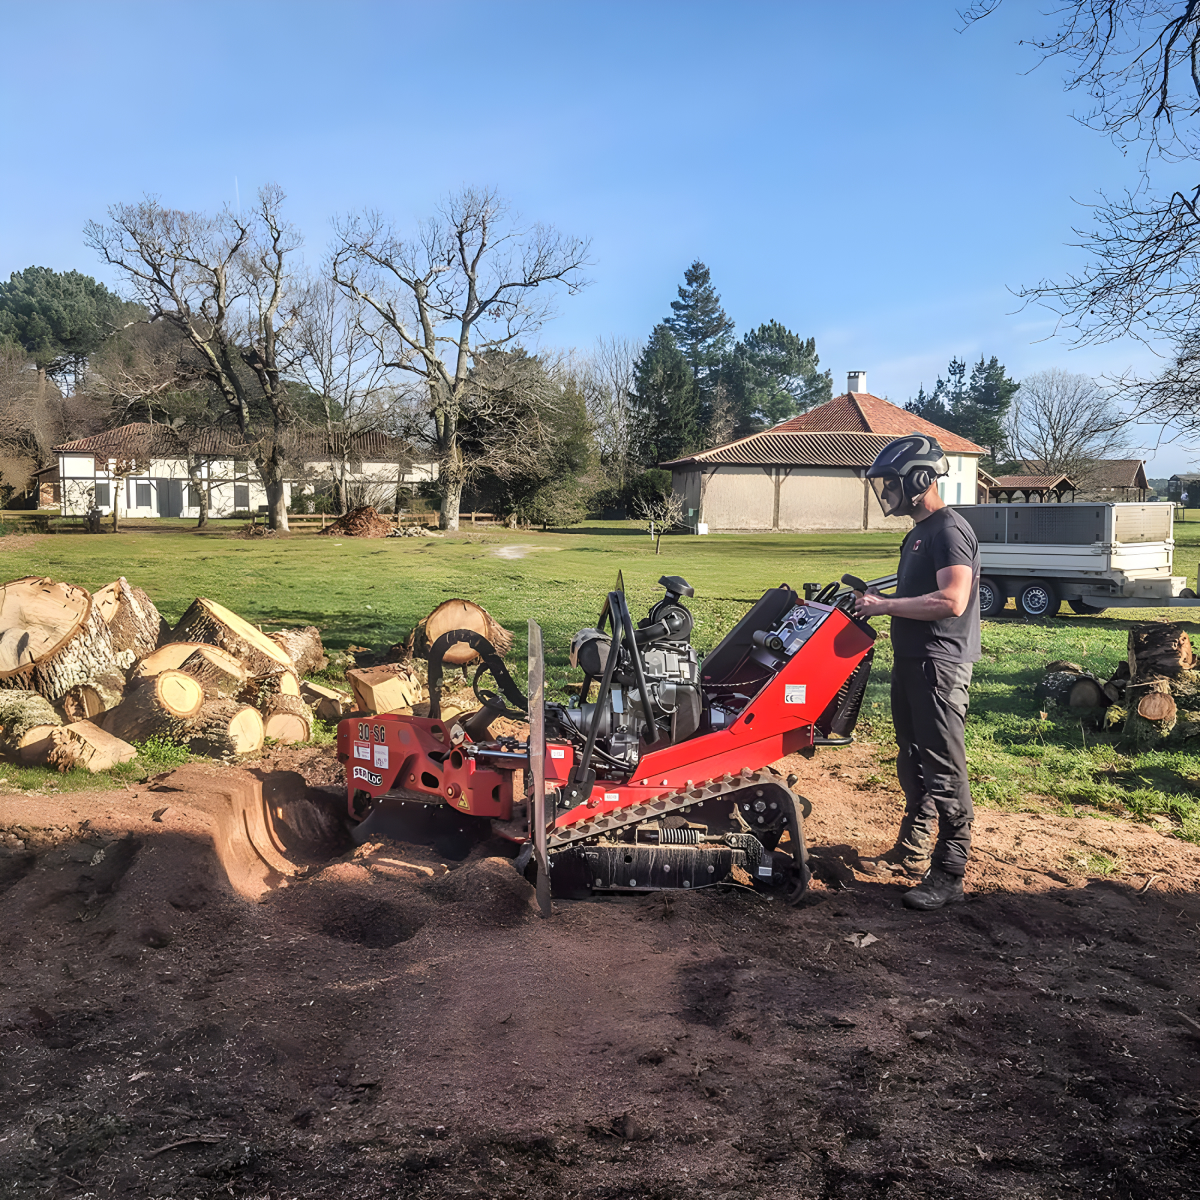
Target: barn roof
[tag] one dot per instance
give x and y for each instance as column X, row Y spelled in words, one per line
column 1032, row 482
column 774, row 448
column 1117, row 473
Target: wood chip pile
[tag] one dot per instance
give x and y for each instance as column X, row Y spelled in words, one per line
column 360, row 522
column 1153, row 695
column 83, row 676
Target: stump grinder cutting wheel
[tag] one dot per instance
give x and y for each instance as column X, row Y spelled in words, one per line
column 662, row 778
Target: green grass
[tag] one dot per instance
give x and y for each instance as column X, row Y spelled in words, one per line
column 371, row 592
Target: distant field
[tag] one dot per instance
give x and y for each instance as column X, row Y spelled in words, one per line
column 370, row 593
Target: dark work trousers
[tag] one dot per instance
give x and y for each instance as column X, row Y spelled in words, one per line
column 929, row 709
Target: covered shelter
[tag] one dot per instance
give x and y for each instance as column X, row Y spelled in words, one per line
column 809, row 473
column 1120, row 479
column 1004, row 488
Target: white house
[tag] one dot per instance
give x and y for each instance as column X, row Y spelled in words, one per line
column 143, row 470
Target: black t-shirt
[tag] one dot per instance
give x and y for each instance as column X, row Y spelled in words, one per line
column 942, row 540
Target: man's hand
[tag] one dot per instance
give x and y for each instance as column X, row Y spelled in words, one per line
column 950, row 600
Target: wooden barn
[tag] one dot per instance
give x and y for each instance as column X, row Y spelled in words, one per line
column 809, row 473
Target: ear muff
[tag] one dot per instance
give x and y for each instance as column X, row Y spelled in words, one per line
column 917, row 482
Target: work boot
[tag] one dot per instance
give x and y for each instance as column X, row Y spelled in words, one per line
column 938, row 888
column 899, row 860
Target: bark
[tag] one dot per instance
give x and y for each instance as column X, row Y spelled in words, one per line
column 93, row 699
column 1158, row 648
column 213, row 667
column 263, row 690
column 1076, row 690
column 195, row 474
column 85, row 745
column 288, row 719
column 162, row 705
column 303, row 647
column 26, row 720
column 53, row 638
column 1151, row 711
column 132, row 619
column 207, row 621
column 224, row 729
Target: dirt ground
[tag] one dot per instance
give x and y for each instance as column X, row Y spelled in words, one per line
column 401, row 1022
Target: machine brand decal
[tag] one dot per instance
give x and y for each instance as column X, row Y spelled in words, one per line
column 557, row 753
column 611, row 797
column 794, row 693
column 381, row 757
column 368, row 776
column 362, row 750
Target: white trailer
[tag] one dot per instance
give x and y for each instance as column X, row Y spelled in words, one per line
column 1093, row 556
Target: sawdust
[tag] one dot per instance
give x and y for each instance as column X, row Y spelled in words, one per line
column 517, row 550
column 400, row 1022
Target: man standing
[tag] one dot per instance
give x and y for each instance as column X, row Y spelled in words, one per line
column 935, row 641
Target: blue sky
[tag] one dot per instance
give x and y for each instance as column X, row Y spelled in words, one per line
column 864, row 173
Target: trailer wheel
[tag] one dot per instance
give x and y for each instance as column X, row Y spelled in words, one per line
column 992, row 597
column 1083, row 608
column 1039, row 599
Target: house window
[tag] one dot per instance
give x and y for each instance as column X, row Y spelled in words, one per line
column 958, row 486
column 241, row 468
column 193, row 496
column 141, row 497
column 959, row 462
column 241, row 496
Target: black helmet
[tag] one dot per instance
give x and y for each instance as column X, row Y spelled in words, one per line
column 905, row 470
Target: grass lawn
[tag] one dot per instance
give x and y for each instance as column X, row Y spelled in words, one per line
column 370, row 593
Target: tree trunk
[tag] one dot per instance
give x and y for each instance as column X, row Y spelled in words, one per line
column 26, row 722
column 207, row 621
column 85, row 745
column 1159, row 648
column 93, row 699
column 303, row 647
column 132, row 619
column 288, row 719
column 162, row 705
column 53, row 638
column 1151, row 711
column 196, row 475
column 1076, row 690
column 271, row 471
column 224, row 729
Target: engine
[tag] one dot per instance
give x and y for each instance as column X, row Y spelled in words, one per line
column 659, row 667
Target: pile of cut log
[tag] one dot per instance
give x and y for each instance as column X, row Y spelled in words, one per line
column 1153, row 694
column 360, row 522
column 82, row 676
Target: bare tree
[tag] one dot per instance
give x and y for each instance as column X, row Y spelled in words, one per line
column 608, row 381
column 1062, row 423
column 659, row 515
column 342, row 359
column 226, row 283
column 469, row 281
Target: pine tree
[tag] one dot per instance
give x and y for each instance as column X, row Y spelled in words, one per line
column 704, row 334
column 665, row 400
column 973, row 408
column 773, row 375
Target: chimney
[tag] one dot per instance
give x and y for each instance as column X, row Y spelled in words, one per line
column 856, row 381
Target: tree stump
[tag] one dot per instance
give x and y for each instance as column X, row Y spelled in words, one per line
column 303, row 647
column 224, row 729
column 460, row 614
column 288, row 719
column 1151, row 710
column 207, row 621
column 26, row 722
column 85, row 745
column 161, row 705
column 1158, row 648
column 52, row 638
column 132, row 619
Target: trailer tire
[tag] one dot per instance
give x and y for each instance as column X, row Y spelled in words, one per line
column 1039, row 599
column 993, row 596
column 1083, row 608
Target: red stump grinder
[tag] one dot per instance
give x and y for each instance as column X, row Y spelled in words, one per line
column 659, row 780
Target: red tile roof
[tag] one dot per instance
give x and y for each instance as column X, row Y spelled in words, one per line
column 860, row 412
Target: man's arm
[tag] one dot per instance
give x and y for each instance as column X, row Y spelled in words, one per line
column 950, row 600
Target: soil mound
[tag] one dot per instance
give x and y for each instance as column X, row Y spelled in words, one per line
column 360, row 522
column 490, row 889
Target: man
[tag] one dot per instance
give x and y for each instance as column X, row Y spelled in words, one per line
column 935, row 642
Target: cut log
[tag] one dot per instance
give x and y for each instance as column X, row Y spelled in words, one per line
column 303, row 647
column 224, row 728
column 263, row 690
column 1113, row 690
column 460, row 614
column 85, row 745
column 386, row 688
column 327, row 703
column 1159, row 648
column 1075, row 690
column 93, row 699
column 1151, row 710
column 288, row 719
column 207, row 621
column 220, row 674
column 132, row 619
column 26, row 722
column 52, row 638
column 161, row 705
column 1063, row 665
